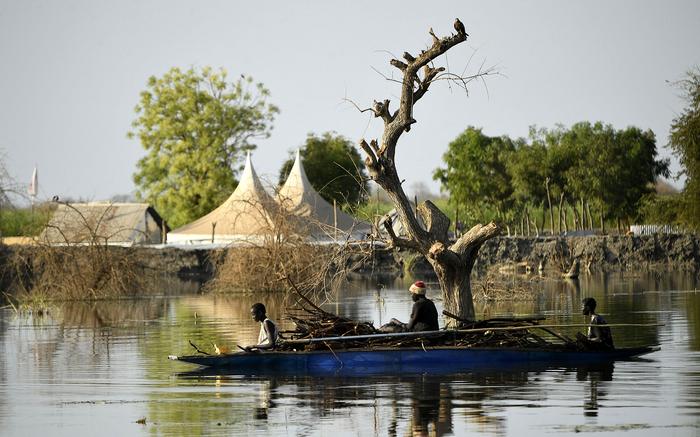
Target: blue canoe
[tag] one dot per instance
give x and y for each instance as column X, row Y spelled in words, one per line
column 440, row 359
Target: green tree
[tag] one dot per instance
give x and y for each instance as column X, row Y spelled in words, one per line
column 615, row 168
column 195, row 127
column 475, row 173
column 528, row 171
column 684, row 140
column 334, row 168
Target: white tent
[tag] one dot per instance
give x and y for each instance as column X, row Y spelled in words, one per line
column 247, row 215
column 320, row 219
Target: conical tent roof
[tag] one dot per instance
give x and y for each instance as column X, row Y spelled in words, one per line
column 248, row 212
column 299, row 197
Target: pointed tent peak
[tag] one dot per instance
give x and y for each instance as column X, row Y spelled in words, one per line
column 249, row 178
column 297, row 179
column 248, row 168
column 250, row 186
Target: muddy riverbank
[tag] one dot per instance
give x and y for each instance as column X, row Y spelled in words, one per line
column 600, row 253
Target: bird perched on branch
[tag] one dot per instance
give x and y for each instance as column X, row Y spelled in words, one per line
column 459, row 27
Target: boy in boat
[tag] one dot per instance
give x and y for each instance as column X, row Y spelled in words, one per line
column 268, row 330
column 424, row 316
column 599, row 336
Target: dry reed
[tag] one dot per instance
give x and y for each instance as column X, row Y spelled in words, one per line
column 75, row 269
column 288, row 248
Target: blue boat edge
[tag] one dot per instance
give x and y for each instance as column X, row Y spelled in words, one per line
column 435, row 359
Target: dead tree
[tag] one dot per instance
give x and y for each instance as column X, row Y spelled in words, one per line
column 452, row 263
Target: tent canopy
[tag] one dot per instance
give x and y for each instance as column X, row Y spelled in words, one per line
column 249, row 211
column 320, row 218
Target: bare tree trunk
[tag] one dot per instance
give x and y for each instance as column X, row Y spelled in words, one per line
column 583, row 215
column 537, row 229
column 544, row 220
column 527, row 220
column 561, row 203
column 551, row 212
column 452, row 263
column 577, row 221
column 573, row 271
column 602, row 221
column 522, row 225
column 590, row 216
column 455, row 275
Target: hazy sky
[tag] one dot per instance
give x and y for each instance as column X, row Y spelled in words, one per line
column 71, row 73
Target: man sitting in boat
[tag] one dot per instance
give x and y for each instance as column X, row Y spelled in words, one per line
column 599, row 337
column 268, row 330
column 424, row 316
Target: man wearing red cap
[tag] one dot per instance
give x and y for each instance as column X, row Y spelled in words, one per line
column 424, row 316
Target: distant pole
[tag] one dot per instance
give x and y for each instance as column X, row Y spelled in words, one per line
column 213, row 231
column 34, row 187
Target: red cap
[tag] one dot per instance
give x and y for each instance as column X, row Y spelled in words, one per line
column 418, row 287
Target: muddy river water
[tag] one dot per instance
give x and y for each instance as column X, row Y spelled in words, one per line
column 101, row 368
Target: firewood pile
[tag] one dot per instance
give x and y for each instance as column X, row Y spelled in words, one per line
column 312, row 322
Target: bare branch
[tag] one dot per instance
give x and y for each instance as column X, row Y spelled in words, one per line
column 436, row 40
column 345, row 99
column 371, row 156
column 408, row 57
column 439, row 252
column 397, row 241
column 390, row 79
column 398, row 64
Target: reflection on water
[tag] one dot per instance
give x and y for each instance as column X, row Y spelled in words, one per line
column 595, row 375
column 102, row 366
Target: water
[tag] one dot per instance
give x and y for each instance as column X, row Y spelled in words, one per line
column 98, row 369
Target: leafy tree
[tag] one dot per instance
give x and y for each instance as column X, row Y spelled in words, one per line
column 615, row 168
column 195, row 127
column 529, row 173
column 334, row 168
column 684, row 140
column 476, row 173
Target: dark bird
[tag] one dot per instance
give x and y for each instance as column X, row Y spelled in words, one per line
column 459, row 27
column 54, row 199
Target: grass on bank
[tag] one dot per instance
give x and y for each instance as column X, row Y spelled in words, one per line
column 18, row 222
column 655, row 210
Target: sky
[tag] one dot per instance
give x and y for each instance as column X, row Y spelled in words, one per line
column 71, row 72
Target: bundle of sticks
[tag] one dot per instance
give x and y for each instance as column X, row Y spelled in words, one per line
column 327, row 330
column 311, row 321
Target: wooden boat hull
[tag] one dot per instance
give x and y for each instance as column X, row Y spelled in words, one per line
column 406, row 360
